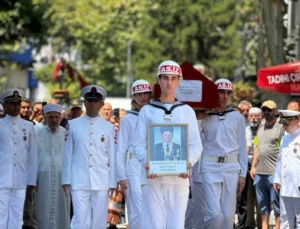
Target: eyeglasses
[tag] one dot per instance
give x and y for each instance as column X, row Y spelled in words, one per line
column 245, row 110
column 265, row 109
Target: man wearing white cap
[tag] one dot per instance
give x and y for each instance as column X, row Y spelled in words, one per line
column 52, row 205
column 224, row 160
column 128, row 167
column 286, row 176
column 19, row 160
column 248, row 197
column 165, row 198
column 89, row 162
column 265, row 154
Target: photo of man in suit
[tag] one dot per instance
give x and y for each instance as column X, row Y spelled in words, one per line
column 166, row 150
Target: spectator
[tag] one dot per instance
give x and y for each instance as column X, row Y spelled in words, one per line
column 106, row 111
column 245, row 107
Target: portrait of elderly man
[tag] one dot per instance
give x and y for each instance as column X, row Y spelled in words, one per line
column 167, row 150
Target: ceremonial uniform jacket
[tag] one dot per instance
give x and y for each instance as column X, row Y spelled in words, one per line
column 224, row 135
column 18, row 153
column 287, row 172
column 180, row 115
column 160, row 153
column 89, row 157
column 125, row 143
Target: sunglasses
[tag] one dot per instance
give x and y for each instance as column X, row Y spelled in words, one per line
column 265, row 109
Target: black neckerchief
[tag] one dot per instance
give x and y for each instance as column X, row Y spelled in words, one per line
column 158, row 104
column 134, row 112
column 227, row 110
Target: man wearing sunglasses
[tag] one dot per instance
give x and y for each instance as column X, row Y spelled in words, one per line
column 264, row 161
column 89, row 162
column 286, row 176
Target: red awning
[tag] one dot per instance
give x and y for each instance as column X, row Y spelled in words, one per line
column 283, row 78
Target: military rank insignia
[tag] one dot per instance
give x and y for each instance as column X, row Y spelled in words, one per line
column 102, row 138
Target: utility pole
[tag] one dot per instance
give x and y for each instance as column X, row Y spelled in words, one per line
column 129, row 69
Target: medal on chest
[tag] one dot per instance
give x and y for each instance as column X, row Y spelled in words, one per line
column 24, row 136
column 295, row 150
column 102, row 138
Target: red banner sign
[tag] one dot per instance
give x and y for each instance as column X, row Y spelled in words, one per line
column 283, row 78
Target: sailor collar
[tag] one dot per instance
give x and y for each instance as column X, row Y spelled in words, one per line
column 168, row 112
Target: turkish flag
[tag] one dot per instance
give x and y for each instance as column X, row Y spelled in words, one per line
column 56, row 71
column 195, row 89
column 283, row 78
column 82, row 82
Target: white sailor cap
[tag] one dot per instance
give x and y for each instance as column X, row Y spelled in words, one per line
column 254, row 110
column 13, row 95
column 224, row 84
column 287, row 115
column 52, row 108
column 93, row 92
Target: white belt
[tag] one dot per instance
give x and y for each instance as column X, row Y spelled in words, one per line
column 225, row 159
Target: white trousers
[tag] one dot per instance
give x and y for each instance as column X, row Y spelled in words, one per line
column 133, row 201
column 220, row 190
column 289, row 210
column 199, row 204
column 11, row 207
column 164, row 206
column 86, row 202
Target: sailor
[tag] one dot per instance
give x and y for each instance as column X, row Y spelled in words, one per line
column 129, row 175
column 286, row 176
column 89, row 162
column 18, row 160
column 224, row 160
column 165, row 198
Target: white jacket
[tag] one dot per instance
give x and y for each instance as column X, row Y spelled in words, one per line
column 18, row 153
column 287, row 171
column 89, row 157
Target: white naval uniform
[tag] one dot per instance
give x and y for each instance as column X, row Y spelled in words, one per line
column 89, row 166
column 222, row 135
column 287, row 174
column 131, row 171
column 18, row 168
column 164, row 199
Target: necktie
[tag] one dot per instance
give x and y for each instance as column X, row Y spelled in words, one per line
column 167, row 148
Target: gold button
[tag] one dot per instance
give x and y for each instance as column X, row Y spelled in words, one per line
column 15, row 143
column 91, row 144
column 91, row 154
column 14, row 123
column 92, row 123
column 15, row 154
column 90, row 166
column 15, row 164
column 91, row 132
column 15, row 132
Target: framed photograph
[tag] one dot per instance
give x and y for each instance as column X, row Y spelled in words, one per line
column 168, row 149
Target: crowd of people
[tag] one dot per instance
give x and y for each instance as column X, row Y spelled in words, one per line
column 61, row 166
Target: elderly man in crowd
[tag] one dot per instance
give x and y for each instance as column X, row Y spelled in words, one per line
column 52, row 206
column 245, row 107
column 106, row 111
column 265, row 154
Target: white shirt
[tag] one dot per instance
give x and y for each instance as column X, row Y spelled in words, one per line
column 18, row 153
column 287, row 171
column 89, row 158
column 152, row 115
column 224, row 136
column 125, row 143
